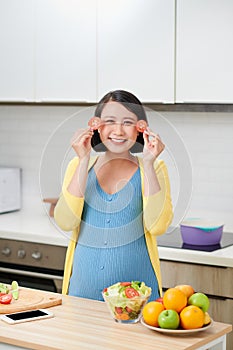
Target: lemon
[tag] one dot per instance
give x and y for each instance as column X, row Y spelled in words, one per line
column 207, row 318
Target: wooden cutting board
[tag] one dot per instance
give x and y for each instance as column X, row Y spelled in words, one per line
column 31, row 299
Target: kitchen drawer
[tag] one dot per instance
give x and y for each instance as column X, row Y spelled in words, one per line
column 216, row 282
column 220, row 310
column 212, row 280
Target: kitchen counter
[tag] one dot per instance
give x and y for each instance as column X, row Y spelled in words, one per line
column 221, row 257
column 87, row 324
column 33, row 224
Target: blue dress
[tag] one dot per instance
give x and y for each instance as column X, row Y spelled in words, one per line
column 111, row 245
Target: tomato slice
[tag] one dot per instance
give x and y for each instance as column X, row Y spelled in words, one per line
column 141, row 125
column 94, row 123
column 118, row 309
column 131, row 292
column 128, row 309
column 6, row 298
column 125, row 284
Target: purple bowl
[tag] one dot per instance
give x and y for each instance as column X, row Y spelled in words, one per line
column 201, row 236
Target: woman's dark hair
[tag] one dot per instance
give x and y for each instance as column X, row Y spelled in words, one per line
column 129, row 101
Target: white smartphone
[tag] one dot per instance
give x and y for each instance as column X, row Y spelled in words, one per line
column 24, row 316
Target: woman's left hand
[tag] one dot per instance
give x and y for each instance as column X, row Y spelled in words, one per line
column 153, row 145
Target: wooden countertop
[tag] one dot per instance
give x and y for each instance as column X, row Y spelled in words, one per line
column 87, row 324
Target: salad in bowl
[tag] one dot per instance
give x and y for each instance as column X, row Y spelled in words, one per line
column 126, row 300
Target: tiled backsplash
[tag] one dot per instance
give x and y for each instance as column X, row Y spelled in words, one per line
column 36, row 138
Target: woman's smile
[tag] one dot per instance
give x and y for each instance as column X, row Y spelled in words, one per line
column 116, row 140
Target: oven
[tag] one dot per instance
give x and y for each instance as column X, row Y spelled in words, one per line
column 32, row 265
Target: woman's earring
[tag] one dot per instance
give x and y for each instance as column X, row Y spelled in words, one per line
column 99, row 131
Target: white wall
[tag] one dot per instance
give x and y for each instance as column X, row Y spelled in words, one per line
column 36, row 138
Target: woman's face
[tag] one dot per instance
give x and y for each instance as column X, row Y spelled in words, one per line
column 118, row 131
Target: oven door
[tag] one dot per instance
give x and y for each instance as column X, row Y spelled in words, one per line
column 44, row 279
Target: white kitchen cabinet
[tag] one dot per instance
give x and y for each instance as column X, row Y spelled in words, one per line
column 204, row 69
column 135, row 48
column 75, row 50
column 17, row 50
column 65, row 50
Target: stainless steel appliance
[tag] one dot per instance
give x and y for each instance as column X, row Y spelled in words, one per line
column 10, row 189
column 33, row 265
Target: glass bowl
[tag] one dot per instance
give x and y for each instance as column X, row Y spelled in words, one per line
column 126, row 310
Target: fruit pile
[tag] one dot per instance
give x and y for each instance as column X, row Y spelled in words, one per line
column 180, row 307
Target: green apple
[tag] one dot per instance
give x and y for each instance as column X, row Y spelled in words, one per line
column 201, row 300
column 169, row 319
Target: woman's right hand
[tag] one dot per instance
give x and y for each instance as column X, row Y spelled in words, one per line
column 81, row 142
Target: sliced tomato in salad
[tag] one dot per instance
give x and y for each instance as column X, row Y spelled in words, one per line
column 131, row 292
column 6, row 298
column 128, row 309
column 125, row 284
column 118, row 310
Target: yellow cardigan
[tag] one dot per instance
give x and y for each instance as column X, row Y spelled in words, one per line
column 157, row 215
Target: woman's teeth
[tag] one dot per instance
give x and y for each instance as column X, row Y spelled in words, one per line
column 118, row 140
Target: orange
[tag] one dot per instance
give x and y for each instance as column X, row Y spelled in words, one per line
column 192, row 317
column 151, row 312
column 186, row 289
column 174, row 299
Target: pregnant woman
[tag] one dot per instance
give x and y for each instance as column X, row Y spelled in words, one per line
column 115, row 203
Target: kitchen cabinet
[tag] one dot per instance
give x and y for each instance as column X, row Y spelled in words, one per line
column 48, row 50
column 71, row 51
column 86, row 49
column 215, row 281
column 135, row 43
column 76, row 51
column 65, row 50
column 204, row 55
column 17, row 50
